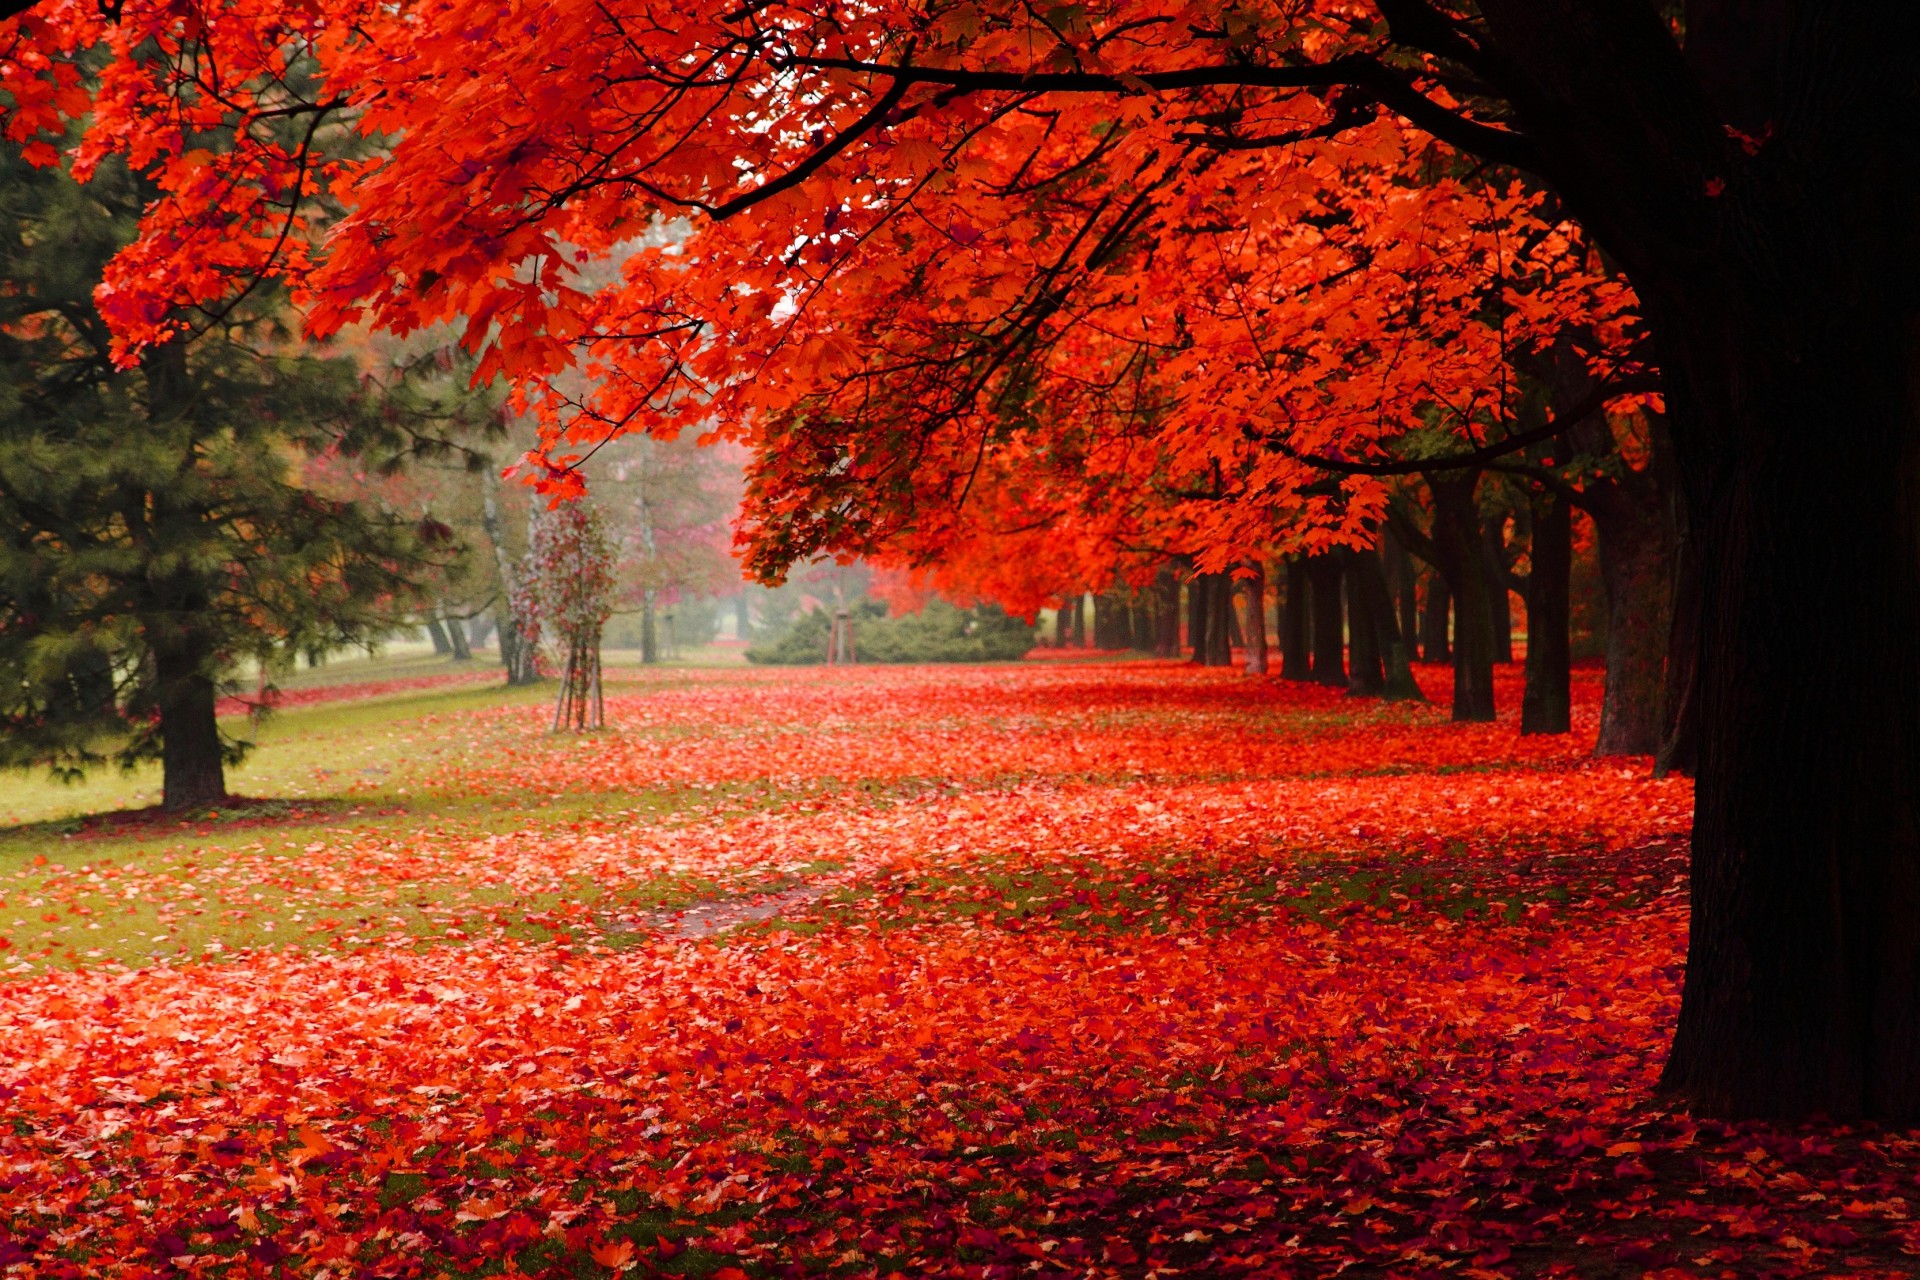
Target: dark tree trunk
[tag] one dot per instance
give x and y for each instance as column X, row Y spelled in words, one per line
column 192, row 758
column 1329, row 662
column 1632, row 517
column 1460, row 548
column 1166, row 613
column 1296, row 645
column 1223, row 633
column 1077, row 620
column 1500, row 611
column 457, row 639
column 517, row 652
column 649, row 631
column 1366, row 675
column 1401, row 586
column 1197, row 617
column 1256, row 589
column 1434, row 644
column 1367, row 581
column 1680, row 739
column 1759, row 186
column 1546, row 706
column 438, row 634
column 1140, row 622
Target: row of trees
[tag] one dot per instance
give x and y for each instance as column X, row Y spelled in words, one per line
column 1184, row 279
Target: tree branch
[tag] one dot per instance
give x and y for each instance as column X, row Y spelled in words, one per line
column 1390, row 88
column 1561, row 423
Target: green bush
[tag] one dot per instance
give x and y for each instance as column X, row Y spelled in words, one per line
column 938, row 633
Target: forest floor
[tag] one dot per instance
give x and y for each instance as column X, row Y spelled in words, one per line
column 1083, row 968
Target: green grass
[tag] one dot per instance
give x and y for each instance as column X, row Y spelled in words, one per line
column 330, row 774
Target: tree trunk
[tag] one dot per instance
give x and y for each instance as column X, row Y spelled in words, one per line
column 438, row 634
column 1220, row 621
column 1197, row 616
column 1323, row 573
column 1256, row 587
column 1401, row 586
column 1434, row 644
column 192, row 759
column 742, row 618
column 1461, row 549
column 1680, row 738
column 1546, row 706
column 1140, row 622
column 1636, row 564
column 649, row 632
column 1296, row 646
column 1367, row 580
column 517, row 652
column 1366, row 674
column 1803, row 965
column 1077, row 620
column 1777, row 274
column 1166, row 613
column 1500, row 612
column 457, row 640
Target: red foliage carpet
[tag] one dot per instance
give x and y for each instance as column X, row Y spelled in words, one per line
column 1082, row 969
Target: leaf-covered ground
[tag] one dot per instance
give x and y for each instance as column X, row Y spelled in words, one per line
column 1087, row 969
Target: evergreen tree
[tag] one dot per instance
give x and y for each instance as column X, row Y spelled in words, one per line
column 153, row 532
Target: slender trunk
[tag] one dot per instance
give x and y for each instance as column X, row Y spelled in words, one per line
column 192, row 759
column 1257, row 621
column 1166, row 613
column 1296, row 646
column 1680, row 738
column 1077, row 620
column 1434, row 644
column 1636, row 564
column 1500, row 613
column 1398, row 566
column 1461, row 548
column 1323, row 573
column 1220, row 620
column 1197, row 616
column 438, row 634
column 1367, row 581
column 1366, row 674
column 457, row 638
column 742, row 619
column 649, row 633
column 1547, row 704
column 1060, row 626
column 479, row 628
column 517, row 651
column 1140, row 622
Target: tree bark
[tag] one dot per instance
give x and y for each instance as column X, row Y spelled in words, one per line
column 457, row 641
column 1329, row 662
column 517, row 652
column 438, row 635
column 1366, row 673
column 1632, row 520
column 1296, row 645
column 1460, row 549
column 1256, row 590
column 1367, row 580
column 1224, row 630
column 1140, row 622
column 1546, row 705
column 192, row 757
column 1680, row 739
column 1166, row 613
column 1197, row 617
column 1500, row 611
column 1399, row 569
column 1434, row 643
